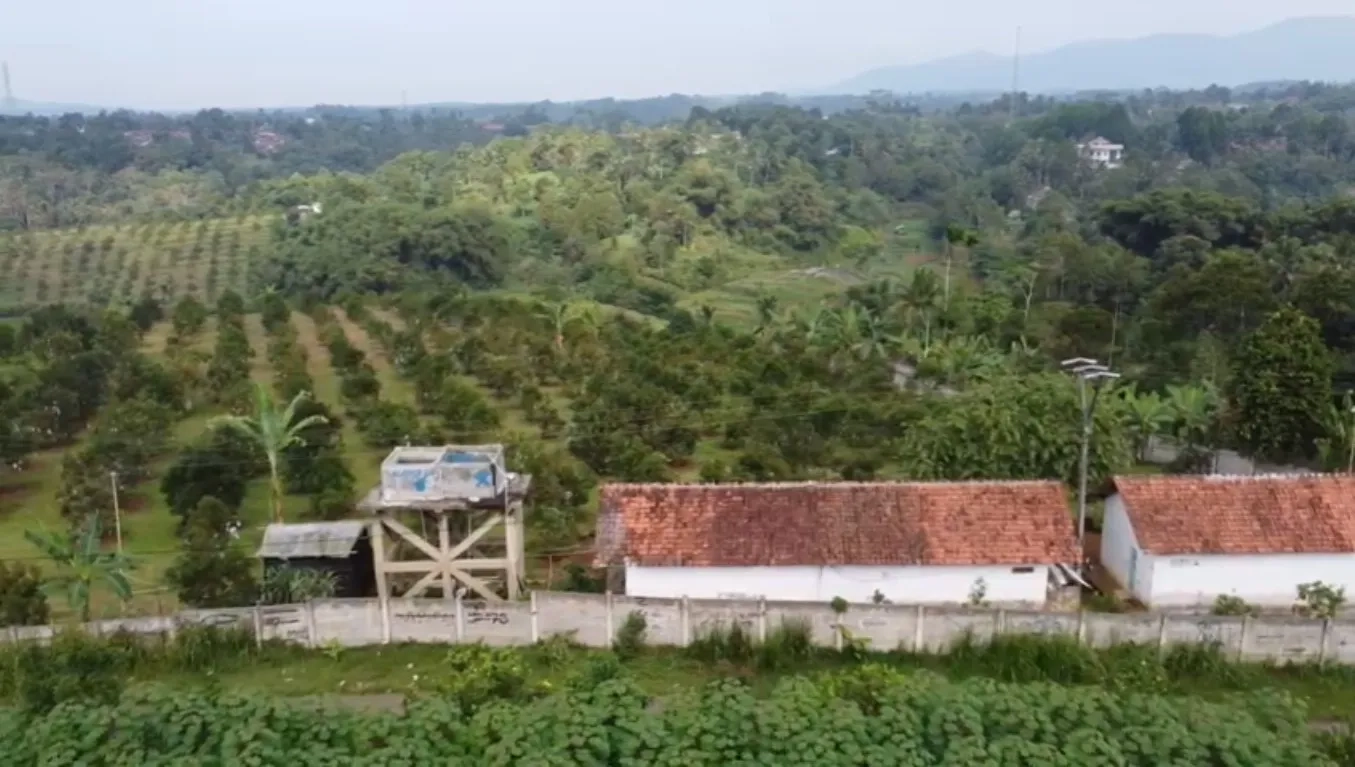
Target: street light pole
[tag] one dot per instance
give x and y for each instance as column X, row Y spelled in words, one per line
column 117, row 512
column 1093, row 372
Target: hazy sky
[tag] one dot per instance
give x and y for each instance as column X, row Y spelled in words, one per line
column 174, row 54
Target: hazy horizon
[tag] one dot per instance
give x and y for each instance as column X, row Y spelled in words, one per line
column 161, row 54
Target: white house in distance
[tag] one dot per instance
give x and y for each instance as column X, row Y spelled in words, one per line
column 1102, row 153
column 913, row 543
column 1184, row 541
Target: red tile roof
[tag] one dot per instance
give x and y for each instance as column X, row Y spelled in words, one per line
column 970, row 523
column 1241, row 514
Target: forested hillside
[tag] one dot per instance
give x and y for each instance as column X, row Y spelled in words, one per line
column 756, row 292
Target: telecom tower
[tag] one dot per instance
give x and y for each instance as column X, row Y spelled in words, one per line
column 10, row 104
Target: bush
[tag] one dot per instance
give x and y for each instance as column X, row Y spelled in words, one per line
column 1227, row 604
column 22, row 601
column 788, row 646
column 288, row 585
column 1319, row 600
column 74, row 667
column 630, row 638
column 729, row 644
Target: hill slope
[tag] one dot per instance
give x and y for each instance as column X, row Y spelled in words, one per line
column 1298, row 49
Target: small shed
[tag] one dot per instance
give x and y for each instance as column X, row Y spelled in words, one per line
column 1007, row 543
column 1184, row 541
column 342, row 549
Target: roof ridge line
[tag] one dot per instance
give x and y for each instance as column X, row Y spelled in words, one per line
column 817, row 484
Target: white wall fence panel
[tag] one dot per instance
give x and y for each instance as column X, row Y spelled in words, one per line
column 594, row 619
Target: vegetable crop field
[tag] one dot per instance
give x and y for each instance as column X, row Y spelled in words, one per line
column 853, row 720
column 120, row 263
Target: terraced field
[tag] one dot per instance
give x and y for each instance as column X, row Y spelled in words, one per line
column 110, row 264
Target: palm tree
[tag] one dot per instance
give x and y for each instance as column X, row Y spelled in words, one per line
column 81, row 563
column 274, row 431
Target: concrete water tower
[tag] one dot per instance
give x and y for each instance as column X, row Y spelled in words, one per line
column 449, row 518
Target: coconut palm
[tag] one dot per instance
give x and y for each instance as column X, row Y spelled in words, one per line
column 274, row 431
column 81, row 564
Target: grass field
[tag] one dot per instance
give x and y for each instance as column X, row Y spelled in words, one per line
column 120, row 263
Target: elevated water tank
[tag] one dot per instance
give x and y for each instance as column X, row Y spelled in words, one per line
column 447, row 473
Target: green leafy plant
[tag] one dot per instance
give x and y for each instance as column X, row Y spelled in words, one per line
column 81, row 565
column 290, row 585
column 1319, row 600
column 630, row 637
column 1228, row 604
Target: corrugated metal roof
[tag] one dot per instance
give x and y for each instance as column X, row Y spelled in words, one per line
column 315, row 539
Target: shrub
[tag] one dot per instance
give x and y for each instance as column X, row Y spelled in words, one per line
column 74, row 667
column 22, row 601
column 730, row 644
column 788, row 646
column 630, row 638
column 1319, row 600
column 289, row 585
column 1228, row 604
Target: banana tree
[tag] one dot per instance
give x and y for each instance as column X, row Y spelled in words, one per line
column 1147, row 415
column 1193, row 410
column 81, row 564
column 273, row 430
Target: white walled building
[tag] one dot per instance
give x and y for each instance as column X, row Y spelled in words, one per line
column 913, row 543
column 1102, row 153
column 1184, row 541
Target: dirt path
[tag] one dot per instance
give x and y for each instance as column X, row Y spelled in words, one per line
column 362, row 461
column 260, row 371
column 318, row 362
column 387, row 316
column 392, row 387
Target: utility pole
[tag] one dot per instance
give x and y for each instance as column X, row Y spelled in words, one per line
column 1350, row 432
column 1088, row 372
column 1016, row 78
column 117, row 511
column 10, row 104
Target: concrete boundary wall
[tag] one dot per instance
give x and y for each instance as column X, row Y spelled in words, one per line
column 593, row 620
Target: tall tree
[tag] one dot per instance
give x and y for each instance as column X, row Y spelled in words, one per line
column 1281, row 388
column 274, row 430
column 212, row 571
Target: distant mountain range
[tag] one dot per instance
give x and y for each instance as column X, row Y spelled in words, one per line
column 45, row 108
column 1299, row 49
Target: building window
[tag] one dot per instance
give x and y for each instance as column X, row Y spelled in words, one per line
column 1023, row 569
